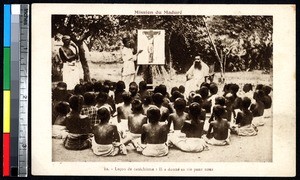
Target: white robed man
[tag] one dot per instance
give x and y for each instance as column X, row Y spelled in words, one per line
column 72, row 69
column 196, row 75
column 128, row 70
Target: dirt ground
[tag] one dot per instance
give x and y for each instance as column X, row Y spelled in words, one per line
column 242, row 149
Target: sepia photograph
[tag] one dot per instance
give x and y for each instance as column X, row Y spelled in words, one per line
column 160, row 86
column 215, row 63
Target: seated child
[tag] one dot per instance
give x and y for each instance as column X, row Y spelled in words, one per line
column 135, row 122
column 206, row 104
column 213, row 89
column 106, row 88
column 59, row 93
column 143, row 91
column 147, row 102
column 79, row 89
column 120, row 88
column 177, row 119
column 158, row 101
column 133, row 89
column 234, row 88
column 78, row 126
column 176, row 94
column 59, row 126
column 162, row 89
column 229, row 113
column 102, row 102
column 220, row 127
column 244, row 120
column 267, row 100
column 106, row 140
column 247, row 90
column 124, row 109
column 258, row 108
column 219, row 100
column 89, row 87
column 181, row 90
column 154, row 135
column 197, row 98
column 89, row 109
column 192, row 142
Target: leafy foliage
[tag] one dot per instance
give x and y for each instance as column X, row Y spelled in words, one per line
column 242, row 42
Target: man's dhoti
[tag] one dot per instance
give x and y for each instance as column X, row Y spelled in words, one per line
column 216, row 142
column 248, row 130
column 108, row 149
column 258, row 121
column 59, row 132
column 188, row 144
column 77, row 141
column 155, row 150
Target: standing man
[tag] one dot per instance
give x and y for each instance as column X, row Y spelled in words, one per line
column 72, row 69
column 196, row 75
column 128, row 70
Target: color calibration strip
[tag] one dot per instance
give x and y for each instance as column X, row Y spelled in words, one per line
column 6, row 90
column 15, row 89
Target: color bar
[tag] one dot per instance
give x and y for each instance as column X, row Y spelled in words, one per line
column 6, row 38
column 6, row 89
column 6, row 157
column 6, row 112
column 6, row 68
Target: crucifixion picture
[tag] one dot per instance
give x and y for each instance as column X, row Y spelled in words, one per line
column 152, row 43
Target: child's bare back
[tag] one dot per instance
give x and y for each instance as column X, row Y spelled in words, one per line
column 155, row 133
column 220, row 129
column 177, row 120
column 135, row 123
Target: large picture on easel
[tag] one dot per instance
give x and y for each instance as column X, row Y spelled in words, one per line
column 152, row 42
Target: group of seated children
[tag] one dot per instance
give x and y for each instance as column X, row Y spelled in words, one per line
column 108, row 119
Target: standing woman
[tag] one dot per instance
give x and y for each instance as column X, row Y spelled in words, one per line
column 72, row 69
column 195, row 75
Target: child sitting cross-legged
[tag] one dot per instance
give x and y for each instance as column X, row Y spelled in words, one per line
column 220, row 127
column 136, row 120
column 106, row 140
column 177, row 119
column 192, row 141
column 244, row 120
column 59, row 127
column 78, row 126
column 154, row 135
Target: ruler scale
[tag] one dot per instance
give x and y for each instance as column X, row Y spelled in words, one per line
column 23, row 92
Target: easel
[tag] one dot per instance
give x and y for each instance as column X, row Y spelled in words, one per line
column 157, row 71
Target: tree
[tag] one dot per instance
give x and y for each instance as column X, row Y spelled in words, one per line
column 240, row 42
column 80, row 28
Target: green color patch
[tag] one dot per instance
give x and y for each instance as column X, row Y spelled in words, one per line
column 6, row 69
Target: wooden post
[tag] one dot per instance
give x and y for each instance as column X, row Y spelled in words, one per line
column 214, row 46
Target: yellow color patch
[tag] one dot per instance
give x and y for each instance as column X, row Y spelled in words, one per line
column 6, row 111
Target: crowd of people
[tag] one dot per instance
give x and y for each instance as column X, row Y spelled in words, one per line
column 107, row 117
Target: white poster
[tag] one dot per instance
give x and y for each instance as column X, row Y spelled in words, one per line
column 272, row 152
column 152, row 42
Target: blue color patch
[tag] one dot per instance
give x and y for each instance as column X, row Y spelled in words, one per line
column 6, row 38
